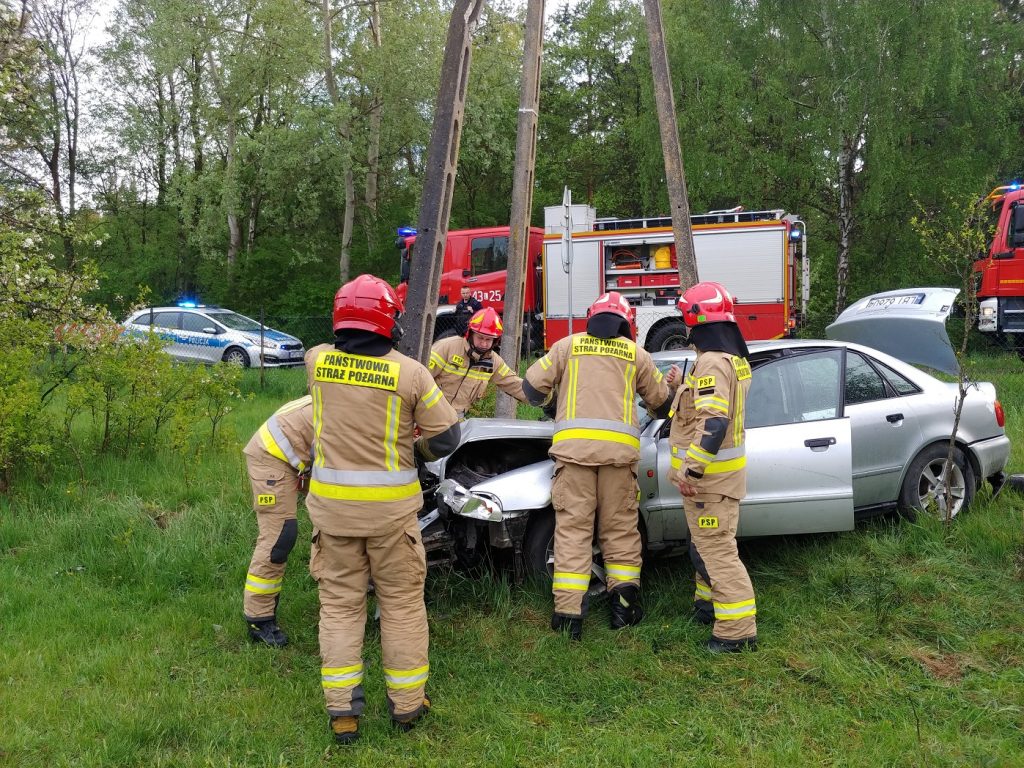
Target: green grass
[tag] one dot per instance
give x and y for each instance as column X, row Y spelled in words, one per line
column 122, row 643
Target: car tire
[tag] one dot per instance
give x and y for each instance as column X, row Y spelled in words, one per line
column 236, row 356
column 671, row 335
column 923, row 484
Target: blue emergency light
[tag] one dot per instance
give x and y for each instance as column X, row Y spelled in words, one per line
column 1015, row 186
column 406, row 231
column 187, row 304
column 795, row 234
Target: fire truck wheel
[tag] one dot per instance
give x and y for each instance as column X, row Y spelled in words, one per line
column 668, row 336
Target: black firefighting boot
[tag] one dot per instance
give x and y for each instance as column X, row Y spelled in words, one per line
column 570, row 625
column 267, row 632
column 406, row 723
column 703, row 612
column 624, row 602
column 345, row 728
column 715, row 645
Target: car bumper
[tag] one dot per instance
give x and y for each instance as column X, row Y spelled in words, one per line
column 279, row 360
column 992, row 455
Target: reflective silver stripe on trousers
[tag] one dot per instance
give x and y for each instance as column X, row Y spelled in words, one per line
column 282, row 442
column 611, row 425
column 370, row 477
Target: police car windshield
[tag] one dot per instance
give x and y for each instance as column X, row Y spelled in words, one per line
column 235, row 321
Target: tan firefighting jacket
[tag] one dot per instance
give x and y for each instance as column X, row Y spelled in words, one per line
column 464, row 380
column 364, row 480
column 597, row 381
column 287, row 435
column 715, row 388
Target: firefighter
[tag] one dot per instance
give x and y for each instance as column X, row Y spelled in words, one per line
column 462, row 365
column 363, row 499
column 708, row 465
column 274, row 456
column 596, row 447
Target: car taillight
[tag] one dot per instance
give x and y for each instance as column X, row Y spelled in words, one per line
column 1000, row 416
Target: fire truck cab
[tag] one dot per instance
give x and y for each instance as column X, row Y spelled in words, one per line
column 760, row 256
column 999, row 274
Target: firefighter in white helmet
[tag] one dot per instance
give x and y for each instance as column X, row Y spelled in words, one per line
column 462, row 366
column 596, row 447
column 274, row 456
column 708, row 465
column 363, row 499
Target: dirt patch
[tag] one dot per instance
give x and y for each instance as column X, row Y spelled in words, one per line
column 948, row 668
column 161, row 517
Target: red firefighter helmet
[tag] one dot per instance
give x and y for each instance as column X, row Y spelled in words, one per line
column 616, row 304
column 486, row 322
column 707, row 303
column 367, row 304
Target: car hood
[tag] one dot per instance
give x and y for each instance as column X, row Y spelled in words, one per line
column 909, row 324
column 270, row 335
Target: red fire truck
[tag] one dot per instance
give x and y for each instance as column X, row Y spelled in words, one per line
column 479, row 259
column 999, row 275
column 760, row 256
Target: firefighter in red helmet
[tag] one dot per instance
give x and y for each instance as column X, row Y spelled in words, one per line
column 463, row 365
column 363, row 499
column 596, row 447
column 708, row 465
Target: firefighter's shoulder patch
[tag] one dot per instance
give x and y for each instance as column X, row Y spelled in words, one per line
column 705, row 381
column 742, row 367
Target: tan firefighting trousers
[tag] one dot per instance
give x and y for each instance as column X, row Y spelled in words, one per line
column 342, row 566
column 577, row 493
column 721, row 577
column 274, row 495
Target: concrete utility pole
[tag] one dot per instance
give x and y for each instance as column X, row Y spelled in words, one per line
column 439, row 183
column 522, row 198
column 675, row 177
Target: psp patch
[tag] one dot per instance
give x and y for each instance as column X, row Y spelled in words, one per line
column 705, row 381
column 266, row 500
column 705, row 521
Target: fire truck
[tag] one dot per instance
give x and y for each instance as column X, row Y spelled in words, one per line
column 479, row 258
column 760, row 256
column 999, row 274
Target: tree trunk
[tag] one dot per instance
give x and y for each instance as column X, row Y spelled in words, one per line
column 234, row 229
column 343, row 132
column 161, row 142
column 373, row 140
column 847, row 158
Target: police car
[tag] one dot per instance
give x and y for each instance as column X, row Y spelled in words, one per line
column 203, row 334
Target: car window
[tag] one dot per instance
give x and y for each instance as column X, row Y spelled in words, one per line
column 142, row 319
column 190, row 321
column 794, row 389
column 489, row 254
column 863, row 384
column 901, row 384
column 166, row 319
column 236, row 322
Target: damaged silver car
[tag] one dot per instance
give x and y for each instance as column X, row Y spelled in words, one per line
column 837, row 431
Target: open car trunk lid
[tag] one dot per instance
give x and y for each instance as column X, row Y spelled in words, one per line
column 909, row 324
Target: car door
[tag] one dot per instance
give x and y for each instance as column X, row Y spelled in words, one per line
column 166, row 325
column 798, row 452
column 203, row 345
column 886, row 432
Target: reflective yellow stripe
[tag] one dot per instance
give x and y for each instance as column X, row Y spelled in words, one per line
column 391, row 434
column 737, row 419
column 260, row 586
column 318, row 423
column 715, row 467
column 596, row 434
column 341, row 677
column 703, row 592
column 271, row 444
column 712, row 403
column 545, row 363
column 627, row 396
column 504, row 370
column 658, row 375
column 365, row 493
column 406, row 678
column 294, row 405
column 433, row 397
column 733, row 611
column 578, row 582
column 699, row 455
column 574, row 369
column 620, row 571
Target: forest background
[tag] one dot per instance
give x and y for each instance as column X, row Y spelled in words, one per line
column 254, row 153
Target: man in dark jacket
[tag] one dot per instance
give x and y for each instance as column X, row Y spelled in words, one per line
column 465, row 309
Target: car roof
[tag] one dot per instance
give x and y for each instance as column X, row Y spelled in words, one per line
column 208, row 309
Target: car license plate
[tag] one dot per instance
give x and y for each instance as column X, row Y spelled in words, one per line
column 884, row 302
column 295, row 354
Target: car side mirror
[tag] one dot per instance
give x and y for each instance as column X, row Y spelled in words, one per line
column 210, row 330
